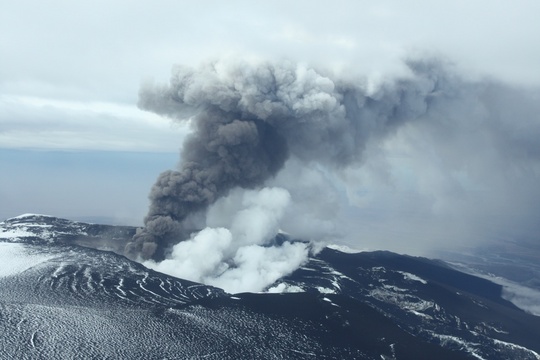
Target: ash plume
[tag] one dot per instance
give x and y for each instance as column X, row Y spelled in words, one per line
column 248, row 119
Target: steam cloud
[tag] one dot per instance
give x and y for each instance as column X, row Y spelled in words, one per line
column 468, row 165
column 237, row 257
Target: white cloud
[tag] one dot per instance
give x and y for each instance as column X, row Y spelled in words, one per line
column 43, row 123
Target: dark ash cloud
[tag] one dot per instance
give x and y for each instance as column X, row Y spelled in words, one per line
column 248, row 119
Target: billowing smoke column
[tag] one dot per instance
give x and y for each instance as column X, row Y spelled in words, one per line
column 248, row 119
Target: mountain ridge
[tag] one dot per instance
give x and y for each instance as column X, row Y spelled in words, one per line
column 367, row 305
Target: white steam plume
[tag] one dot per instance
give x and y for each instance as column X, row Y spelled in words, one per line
column 236, row 258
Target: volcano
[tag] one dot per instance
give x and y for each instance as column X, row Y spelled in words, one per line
column 68, row 293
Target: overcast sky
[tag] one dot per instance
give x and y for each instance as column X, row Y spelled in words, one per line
column 70, row 73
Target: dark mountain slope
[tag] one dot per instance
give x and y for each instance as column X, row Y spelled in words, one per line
column 426, row 297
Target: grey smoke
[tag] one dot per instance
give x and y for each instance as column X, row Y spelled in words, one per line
column 248, row 119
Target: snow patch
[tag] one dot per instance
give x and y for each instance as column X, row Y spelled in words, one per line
column 517, row 347
column 412, row 277
column 15, row 258
column 417, row 313
column 345, row 249
column 324, row 290
column 330, row 301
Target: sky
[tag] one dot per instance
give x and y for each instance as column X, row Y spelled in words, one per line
column 73, row 142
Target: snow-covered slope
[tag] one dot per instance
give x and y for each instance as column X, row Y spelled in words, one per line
column 77, row 276
column 62, row 300
column 43, row 229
